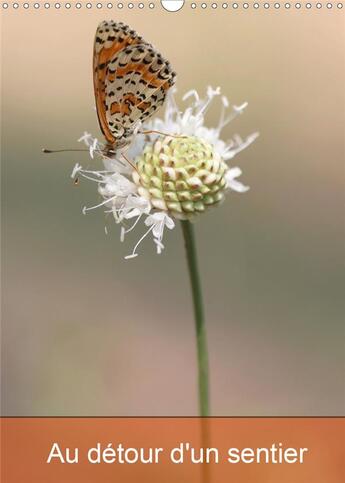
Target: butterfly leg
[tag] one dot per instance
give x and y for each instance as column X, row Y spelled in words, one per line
column 178, row 136
column 128, row 161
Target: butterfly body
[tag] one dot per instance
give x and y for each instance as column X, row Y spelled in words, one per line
column 131, row 80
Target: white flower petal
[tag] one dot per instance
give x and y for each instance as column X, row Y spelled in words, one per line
column 169, row 222
column 240, row 108
column 232, row 173
column 158, row 230
column 238, row 186
column 133, row 255
column 77, row 168
column 232, row 183
column 86, row 138
column 225, row 101
column 191, row 93
column 213, row 92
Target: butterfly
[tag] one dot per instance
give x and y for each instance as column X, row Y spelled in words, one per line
column 131, row 80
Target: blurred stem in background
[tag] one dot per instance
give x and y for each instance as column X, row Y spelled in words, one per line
column 202, row 354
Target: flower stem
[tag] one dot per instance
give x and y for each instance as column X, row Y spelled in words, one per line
column 202, row 354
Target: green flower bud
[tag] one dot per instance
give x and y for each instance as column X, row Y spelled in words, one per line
column 182, row 176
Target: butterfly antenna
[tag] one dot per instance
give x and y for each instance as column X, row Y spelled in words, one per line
column 49, row 151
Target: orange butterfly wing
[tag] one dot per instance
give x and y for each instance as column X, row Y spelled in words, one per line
column 130, row 80
column 110, row 38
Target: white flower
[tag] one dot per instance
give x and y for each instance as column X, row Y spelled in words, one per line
column 124, row 198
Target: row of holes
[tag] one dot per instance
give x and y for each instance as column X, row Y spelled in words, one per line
column 267, row 5
column 193, row 5
column 78, row 5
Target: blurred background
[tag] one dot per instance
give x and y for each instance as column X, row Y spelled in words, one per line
column 85, row 332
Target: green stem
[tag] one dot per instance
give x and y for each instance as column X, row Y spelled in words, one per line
column 189, row 239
